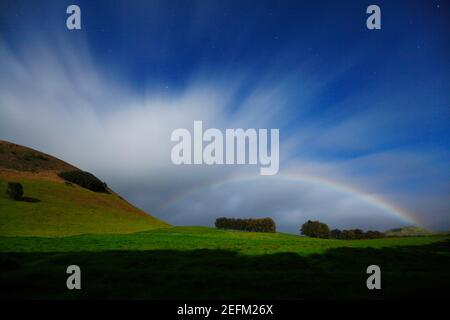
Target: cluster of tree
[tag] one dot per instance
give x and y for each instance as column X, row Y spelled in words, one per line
column 317, row 229
column 355, row 234
column 14, row 190
column 255, row 225
column 85, row 179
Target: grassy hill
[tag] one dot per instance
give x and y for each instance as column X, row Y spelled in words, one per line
column 56, row 207
column 125, row 253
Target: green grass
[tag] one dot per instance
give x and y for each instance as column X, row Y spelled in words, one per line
column 200, row 262
column 68, row 210
column 124, row 253
column 194, row 238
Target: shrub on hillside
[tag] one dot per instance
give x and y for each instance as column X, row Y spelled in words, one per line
column 84, row 179
column 315, row 229
column 33, row 157
column 14, row 190
column 254, row 225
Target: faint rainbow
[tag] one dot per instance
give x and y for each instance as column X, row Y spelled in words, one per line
column 371, row 199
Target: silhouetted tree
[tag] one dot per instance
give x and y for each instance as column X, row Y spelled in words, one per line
column 85, row 179
column 255, row 225
column 348, row 235
column 373, row 234
column 14, row 190
column 335, row 234
column 315, row 229
column 358, row 234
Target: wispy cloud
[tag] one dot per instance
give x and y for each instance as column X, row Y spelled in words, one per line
column 61, row 100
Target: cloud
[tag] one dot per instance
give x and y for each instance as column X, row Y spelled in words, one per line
column 61, row 100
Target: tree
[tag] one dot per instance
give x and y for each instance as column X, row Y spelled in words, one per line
column 14, row 190
column 253, row 225
column 335, row 234
column 373, row 234
column 85, row 179
column 358, row 234
column 347, row 235
column 315, row 229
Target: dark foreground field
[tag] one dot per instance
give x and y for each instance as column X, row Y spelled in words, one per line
column 190, row 263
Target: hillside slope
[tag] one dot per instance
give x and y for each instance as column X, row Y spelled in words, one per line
column 408, row 232
column 52, row 207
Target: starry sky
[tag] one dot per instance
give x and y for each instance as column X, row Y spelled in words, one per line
column 363, row 114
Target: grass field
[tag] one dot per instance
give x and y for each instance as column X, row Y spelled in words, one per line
column 125, row 253
column 194, row 238
column 199, row 262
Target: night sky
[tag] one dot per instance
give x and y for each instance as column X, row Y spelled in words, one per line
column 363, row 114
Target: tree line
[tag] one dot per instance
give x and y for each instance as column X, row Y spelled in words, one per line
column 317, row 229
column 255, row 225
column 313, row 229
